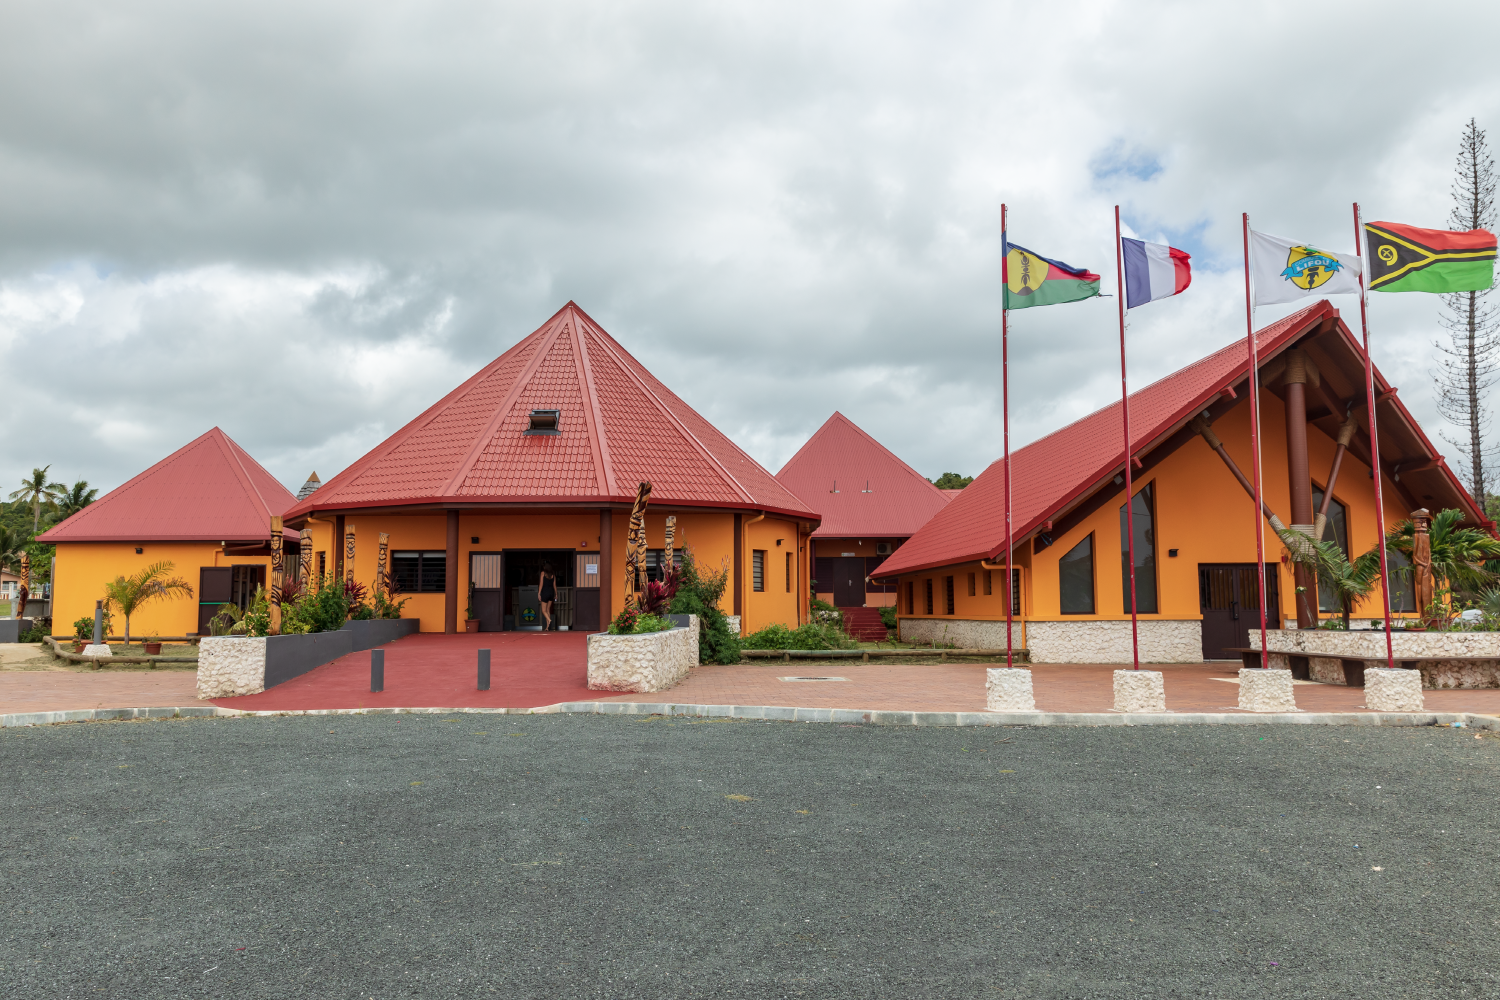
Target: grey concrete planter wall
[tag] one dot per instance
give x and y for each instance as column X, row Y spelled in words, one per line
column 11, row 628
column 655, row 661
column 379, row 631
column 229, row 666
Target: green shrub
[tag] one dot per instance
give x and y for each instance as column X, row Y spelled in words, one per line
column 698, row 593
column 888, row 616
column 633, row 622
column 813, row 635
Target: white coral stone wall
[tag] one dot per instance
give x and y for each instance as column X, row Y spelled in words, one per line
column 1140, row 691
column 1388, row 690
column 230, row 666
column 655, row 661
column 1008, row 689
column 1266, row 690
column 1162, row 641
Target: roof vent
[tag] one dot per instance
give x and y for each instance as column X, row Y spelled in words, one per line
column 544, row 422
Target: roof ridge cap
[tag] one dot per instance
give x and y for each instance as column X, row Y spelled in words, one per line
column 593, row 415
column 228, row 446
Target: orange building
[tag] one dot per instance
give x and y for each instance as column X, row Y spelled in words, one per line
column 1194, row 522
column 871, row 503
column 206, row 508
column 536, row 460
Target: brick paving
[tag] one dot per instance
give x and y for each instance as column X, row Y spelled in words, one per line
column 536, row 669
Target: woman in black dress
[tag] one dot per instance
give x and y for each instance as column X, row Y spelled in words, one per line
column 546, row 593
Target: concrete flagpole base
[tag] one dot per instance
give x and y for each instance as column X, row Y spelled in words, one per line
column 1397, row 690
column 1139, row 691
column 1264, row 690
column 1008, row 689
column 98, row 649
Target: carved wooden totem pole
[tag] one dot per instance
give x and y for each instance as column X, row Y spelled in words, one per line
column 278, row 575
column 382, row 559
column 635, row 548
column 349, row 554
column 304, row 562
column 1421, row 558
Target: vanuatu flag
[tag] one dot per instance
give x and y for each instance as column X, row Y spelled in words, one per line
column 1033, row 280
column 1408, row 259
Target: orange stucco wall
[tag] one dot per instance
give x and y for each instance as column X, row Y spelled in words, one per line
column 1203, row 512
column 710, row 536
column 83, row 568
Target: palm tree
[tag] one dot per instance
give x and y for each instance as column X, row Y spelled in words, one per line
column 74, row 499
column 35, row 490
column 1458, row 554
column 129, row 594
column 1350, row 581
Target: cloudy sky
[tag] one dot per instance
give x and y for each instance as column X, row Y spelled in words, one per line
column 304, row 222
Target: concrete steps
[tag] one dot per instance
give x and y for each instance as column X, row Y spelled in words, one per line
column 864, row 624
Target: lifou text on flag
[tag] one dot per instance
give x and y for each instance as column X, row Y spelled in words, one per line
column 1034, row 280
column 1408, row 259
column 1153, row 271
column 1285, row 270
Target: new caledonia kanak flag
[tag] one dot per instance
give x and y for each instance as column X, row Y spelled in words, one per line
column 1034, row 280
column 1408, row 259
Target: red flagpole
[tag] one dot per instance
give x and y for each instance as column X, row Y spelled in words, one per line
column 1260, row 531
column 1135, row 641
column 1005, row 408
column 1364, row 327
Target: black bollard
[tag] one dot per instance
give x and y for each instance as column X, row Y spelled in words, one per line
column 377, row 670
column 484, row 670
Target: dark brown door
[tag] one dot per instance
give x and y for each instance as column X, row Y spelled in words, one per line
column 848, row 583
column 215, row 587
column 1229, row 597
column 487, row 608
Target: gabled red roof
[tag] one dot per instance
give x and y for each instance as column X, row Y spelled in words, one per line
column 619, row 426
column 1061, row 467
column 210, row 489
column 898, row 501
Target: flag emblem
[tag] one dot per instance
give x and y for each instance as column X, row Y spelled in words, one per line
column 1308, row 267
column 1408, row 259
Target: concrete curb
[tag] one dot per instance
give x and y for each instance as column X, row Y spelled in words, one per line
column 777, row 713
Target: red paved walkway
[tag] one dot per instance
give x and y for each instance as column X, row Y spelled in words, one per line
column 431, row 670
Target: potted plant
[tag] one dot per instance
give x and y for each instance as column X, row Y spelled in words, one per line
column 83, row 633
column 471, row 624
column 153, row 644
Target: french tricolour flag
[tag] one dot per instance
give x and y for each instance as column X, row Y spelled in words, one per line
column 1153, row 271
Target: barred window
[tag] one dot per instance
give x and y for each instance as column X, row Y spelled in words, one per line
column 419, row 572
column 948, row 595
column 927, row 585
column 758, row 570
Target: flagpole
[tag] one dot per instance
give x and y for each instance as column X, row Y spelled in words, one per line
column 1254, row 392
column 1005, row 408
column 1135, row 642
column 1364, row 328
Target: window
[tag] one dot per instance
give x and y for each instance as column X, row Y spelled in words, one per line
column 971, row 584
column 1336, row 531
column 758, row 570
column 322, row 565
column 656, row 559
column 927, row 586
column 1403, row 594
column 1075, row 579
column 544, row 422
column 911, row 598
column 947, row 595
column 1143, row 507
column 989, row 584
column 244, row 582
column 419, row 572
column 788, row 572
column 1015, row 591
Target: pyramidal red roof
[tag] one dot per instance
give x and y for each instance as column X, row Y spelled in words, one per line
column 210, row 489
column 1058, row 468
column 878, row 495
column 618, row 426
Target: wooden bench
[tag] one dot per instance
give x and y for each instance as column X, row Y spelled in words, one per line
column 1354, row 667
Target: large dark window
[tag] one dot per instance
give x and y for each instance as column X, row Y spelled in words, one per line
column 1403, row 596
column 1143, row 507
column 1075, row 579
column 419, row 572
column 1336, row 531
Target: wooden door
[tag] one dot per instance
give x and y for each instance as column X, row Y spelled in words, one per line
column 1229, row 598
column 848, row 583
column 215, row 587
column 487, row 572
column 586, row 617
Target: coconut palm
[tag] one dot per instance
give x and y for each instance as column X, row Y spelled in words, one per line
column 1458, row 554
column 74, row 499
column 35, row 490
column 129, row 594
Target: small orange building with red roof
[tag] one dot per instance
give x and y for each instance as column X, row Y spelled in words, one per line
column 206, row 508
column 536, row 459
column 871, row 503
column 1194, row 523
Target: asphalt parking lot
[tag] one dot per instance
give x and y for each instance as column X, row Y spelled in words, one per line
column 588, row 856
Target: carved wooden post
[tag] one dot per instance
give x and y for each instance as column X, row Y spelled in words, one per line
column 671, row 537
column 24, row 594
column 349, row 554
column 382, row 557
column 278, row 574
column 1421, row 558
column 304, row 562
column 635, row 546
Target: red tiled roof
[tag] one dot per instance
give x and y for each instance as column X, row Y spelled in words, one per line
column 1055, row 470
column 210, row 489
column 899, row 500
column 619, row 426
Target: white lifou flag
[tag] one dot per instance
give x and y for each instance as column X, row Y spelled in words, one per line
column 1285, row 271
